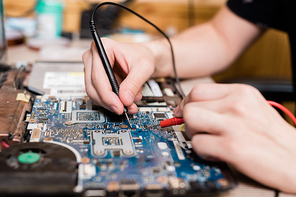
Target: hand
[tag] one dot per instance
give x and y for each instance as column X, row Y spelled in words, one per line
column 234, row 123
column 133, row 64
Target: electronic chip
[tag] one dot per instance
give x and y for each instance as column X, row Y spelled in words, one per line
column 87, row 116
column 159, row 115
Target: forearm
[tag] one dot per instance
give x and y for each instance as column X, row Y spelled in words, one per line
column 207, row 48
column 200, row 51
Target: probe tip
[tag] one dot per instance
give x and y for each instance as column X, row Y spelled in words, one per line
column 128, row 119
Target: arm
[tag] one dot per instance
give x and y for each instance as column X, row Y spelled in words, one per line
column 205, row 49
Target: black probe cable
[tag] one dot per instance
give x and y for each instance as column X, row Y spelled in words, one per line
column 104, row 57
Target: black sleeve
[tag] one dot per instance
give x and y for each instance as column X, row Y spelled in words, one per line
column 264, row 13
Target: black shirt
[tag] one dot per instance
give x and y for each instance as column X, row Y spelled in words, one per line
column 278, row 14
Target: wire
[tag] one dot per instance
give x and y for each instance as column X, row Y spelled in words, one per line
column 276, row 193
column 284, row 109
column 16, row 83
column 160, row 31
column 191, row 13
column 5, row 144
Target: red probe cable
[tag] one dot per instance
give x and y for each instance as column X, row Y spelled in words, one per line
column 284, row 109
column 171, row 122
column 177, row 121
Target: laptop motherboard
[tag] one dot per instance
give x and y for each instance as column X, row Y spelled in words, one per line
column 78, row 149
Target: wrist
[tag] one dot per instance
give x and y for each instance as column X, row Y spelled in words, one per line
column 163, row 60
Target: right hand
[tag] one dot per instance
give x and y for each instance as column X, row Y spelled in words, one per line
column 235, row 124
column 133, row 64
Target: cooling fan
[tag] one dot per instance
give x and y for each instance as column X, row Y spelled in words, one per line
column 36, row 168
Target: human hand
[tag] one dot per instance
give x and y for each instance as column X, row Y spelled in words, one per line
column 133, row 64
column 234, row 124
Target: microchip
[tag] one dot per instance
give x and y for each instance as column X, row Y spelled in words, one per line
column 88, row 116
column 177, row 164
column 116, row 153
column 129, row 185
column 41, row 109
column 108, row 131
column 159, row 115
column 156, row 170
column 82, row 106
column 111, row 141
column 43, row 120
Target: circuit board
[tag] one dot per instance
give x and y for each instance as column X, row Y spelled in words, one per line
column 85, row 150
column 114, row 157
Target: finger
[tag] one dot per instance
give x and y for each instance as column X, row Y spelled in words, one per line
column 204, row 92
column 133, row 109
column 208, row 147
column 87, row 61
column 90, row 90
column 200, row 120
column 102, row 85
column 132, row 84
column 138, row 97
column 220, row 106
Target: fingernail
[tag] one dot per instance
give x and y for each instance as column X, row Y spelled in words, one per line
column 114, row 109
column 130, row 94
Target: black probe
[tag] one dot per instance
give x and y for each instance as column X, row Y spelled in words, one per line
column 105, row 62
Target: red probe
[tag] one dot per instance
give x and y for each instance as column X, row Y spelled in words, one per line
column 171, row 122
column 177, row 121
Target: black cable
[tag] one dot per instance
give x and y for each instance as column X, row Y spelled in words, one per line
column 276, row 193
column 16, row 81
column 160, row 31
column 191, row 13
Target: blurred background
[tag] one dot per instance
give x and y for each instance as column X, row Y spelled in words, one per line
column 32, row 22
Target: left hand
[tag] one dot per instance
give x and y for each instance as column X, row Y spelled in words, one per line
column 235, row 124
column 133, row 64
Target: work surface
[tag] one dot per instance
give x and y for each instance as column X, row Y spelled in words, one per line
column 21, row 53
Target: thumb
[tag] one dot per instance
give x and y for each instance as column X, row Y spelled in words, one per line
column 132, row 84
column 178, row 111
